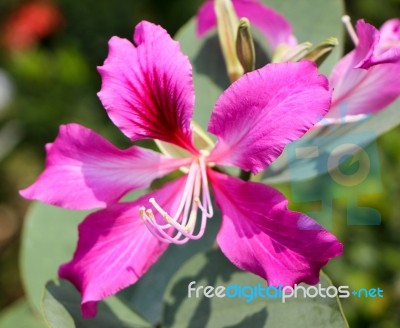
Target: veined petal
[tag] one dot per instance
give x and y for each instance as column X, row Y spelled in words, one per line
column 365, row 91
column 259, row 234
column 273, row 25
column 372, row 49
column 84, row 171
column 115, row 248
column 265, row 110
column 366, row 80
column 148, row 90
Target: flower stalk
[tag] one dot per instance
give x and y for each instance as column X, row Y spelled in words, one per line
column 227, row 24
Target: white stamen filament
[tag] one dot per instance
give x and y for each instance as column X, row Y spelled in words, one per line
column 184, row 223
column 350, row 29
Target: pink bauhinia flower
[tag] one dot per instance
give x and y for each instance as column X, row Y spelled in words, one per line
column 148, row 92
column 272, row 24
column 366, row 80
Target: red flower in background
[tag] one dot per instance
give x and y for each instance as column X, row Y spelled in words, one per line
column 30, row 23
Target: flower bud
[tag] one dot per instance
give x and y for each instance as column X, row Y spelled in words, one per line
column 285, row 53
column 320, row 52
column 245, row 46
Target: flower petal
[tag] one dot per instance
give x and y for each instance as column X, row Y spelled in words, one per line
column 206, row 18
column 274, row 26
column 388, row 49
column 372, row 49
column 368, row 39
column 365, row 80
column 259, row 234
column 116, row 248
column 363, row 91
column 148, row 90
column 84, row 171
column 276, row 29
column 266, row 109
column 390, row 34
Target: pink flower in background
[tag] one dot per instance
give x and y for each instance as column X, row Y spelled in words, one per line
column 385, row 43
column 366, row 80
column 390, row 35
column 148, row 92
column 274, row 26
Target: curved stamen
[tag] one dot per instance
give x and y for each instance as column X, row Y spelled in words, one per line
column 171, row 222
column 181, row 227
column 206, row 192
column 158, row 233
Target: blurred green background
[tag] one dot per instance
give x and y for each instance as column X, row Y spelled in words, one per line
column 54, row 81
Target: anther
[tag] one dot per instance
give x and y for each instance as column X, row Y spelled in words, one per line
column 142, row 212
column 204, row 152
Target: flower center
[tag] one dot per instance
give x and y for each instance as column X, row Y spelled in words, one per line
column 184, row 225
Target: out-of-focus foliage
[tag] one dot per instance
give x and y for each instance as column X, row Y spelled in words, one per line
column 371, row 252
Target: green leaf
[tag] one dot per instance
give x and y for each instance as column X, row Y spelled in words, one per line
column 48, row 239
column 213, row 269
column 20, row 315
column 312, row 21
column 61, row 308
column 327, row 141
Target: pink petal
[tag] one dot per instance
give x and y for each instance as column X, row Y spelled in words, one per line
column 274, row 26
column 370, row 49
column 84, row 171
column 148, row 90
column 116, row 248
column 388, row 48
column 364, row 81
column 259, row 234
column 390, row 34
column 368, row 37
column 365, row 91
column 265, row 110
column 206, row 18
column 276, row 29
